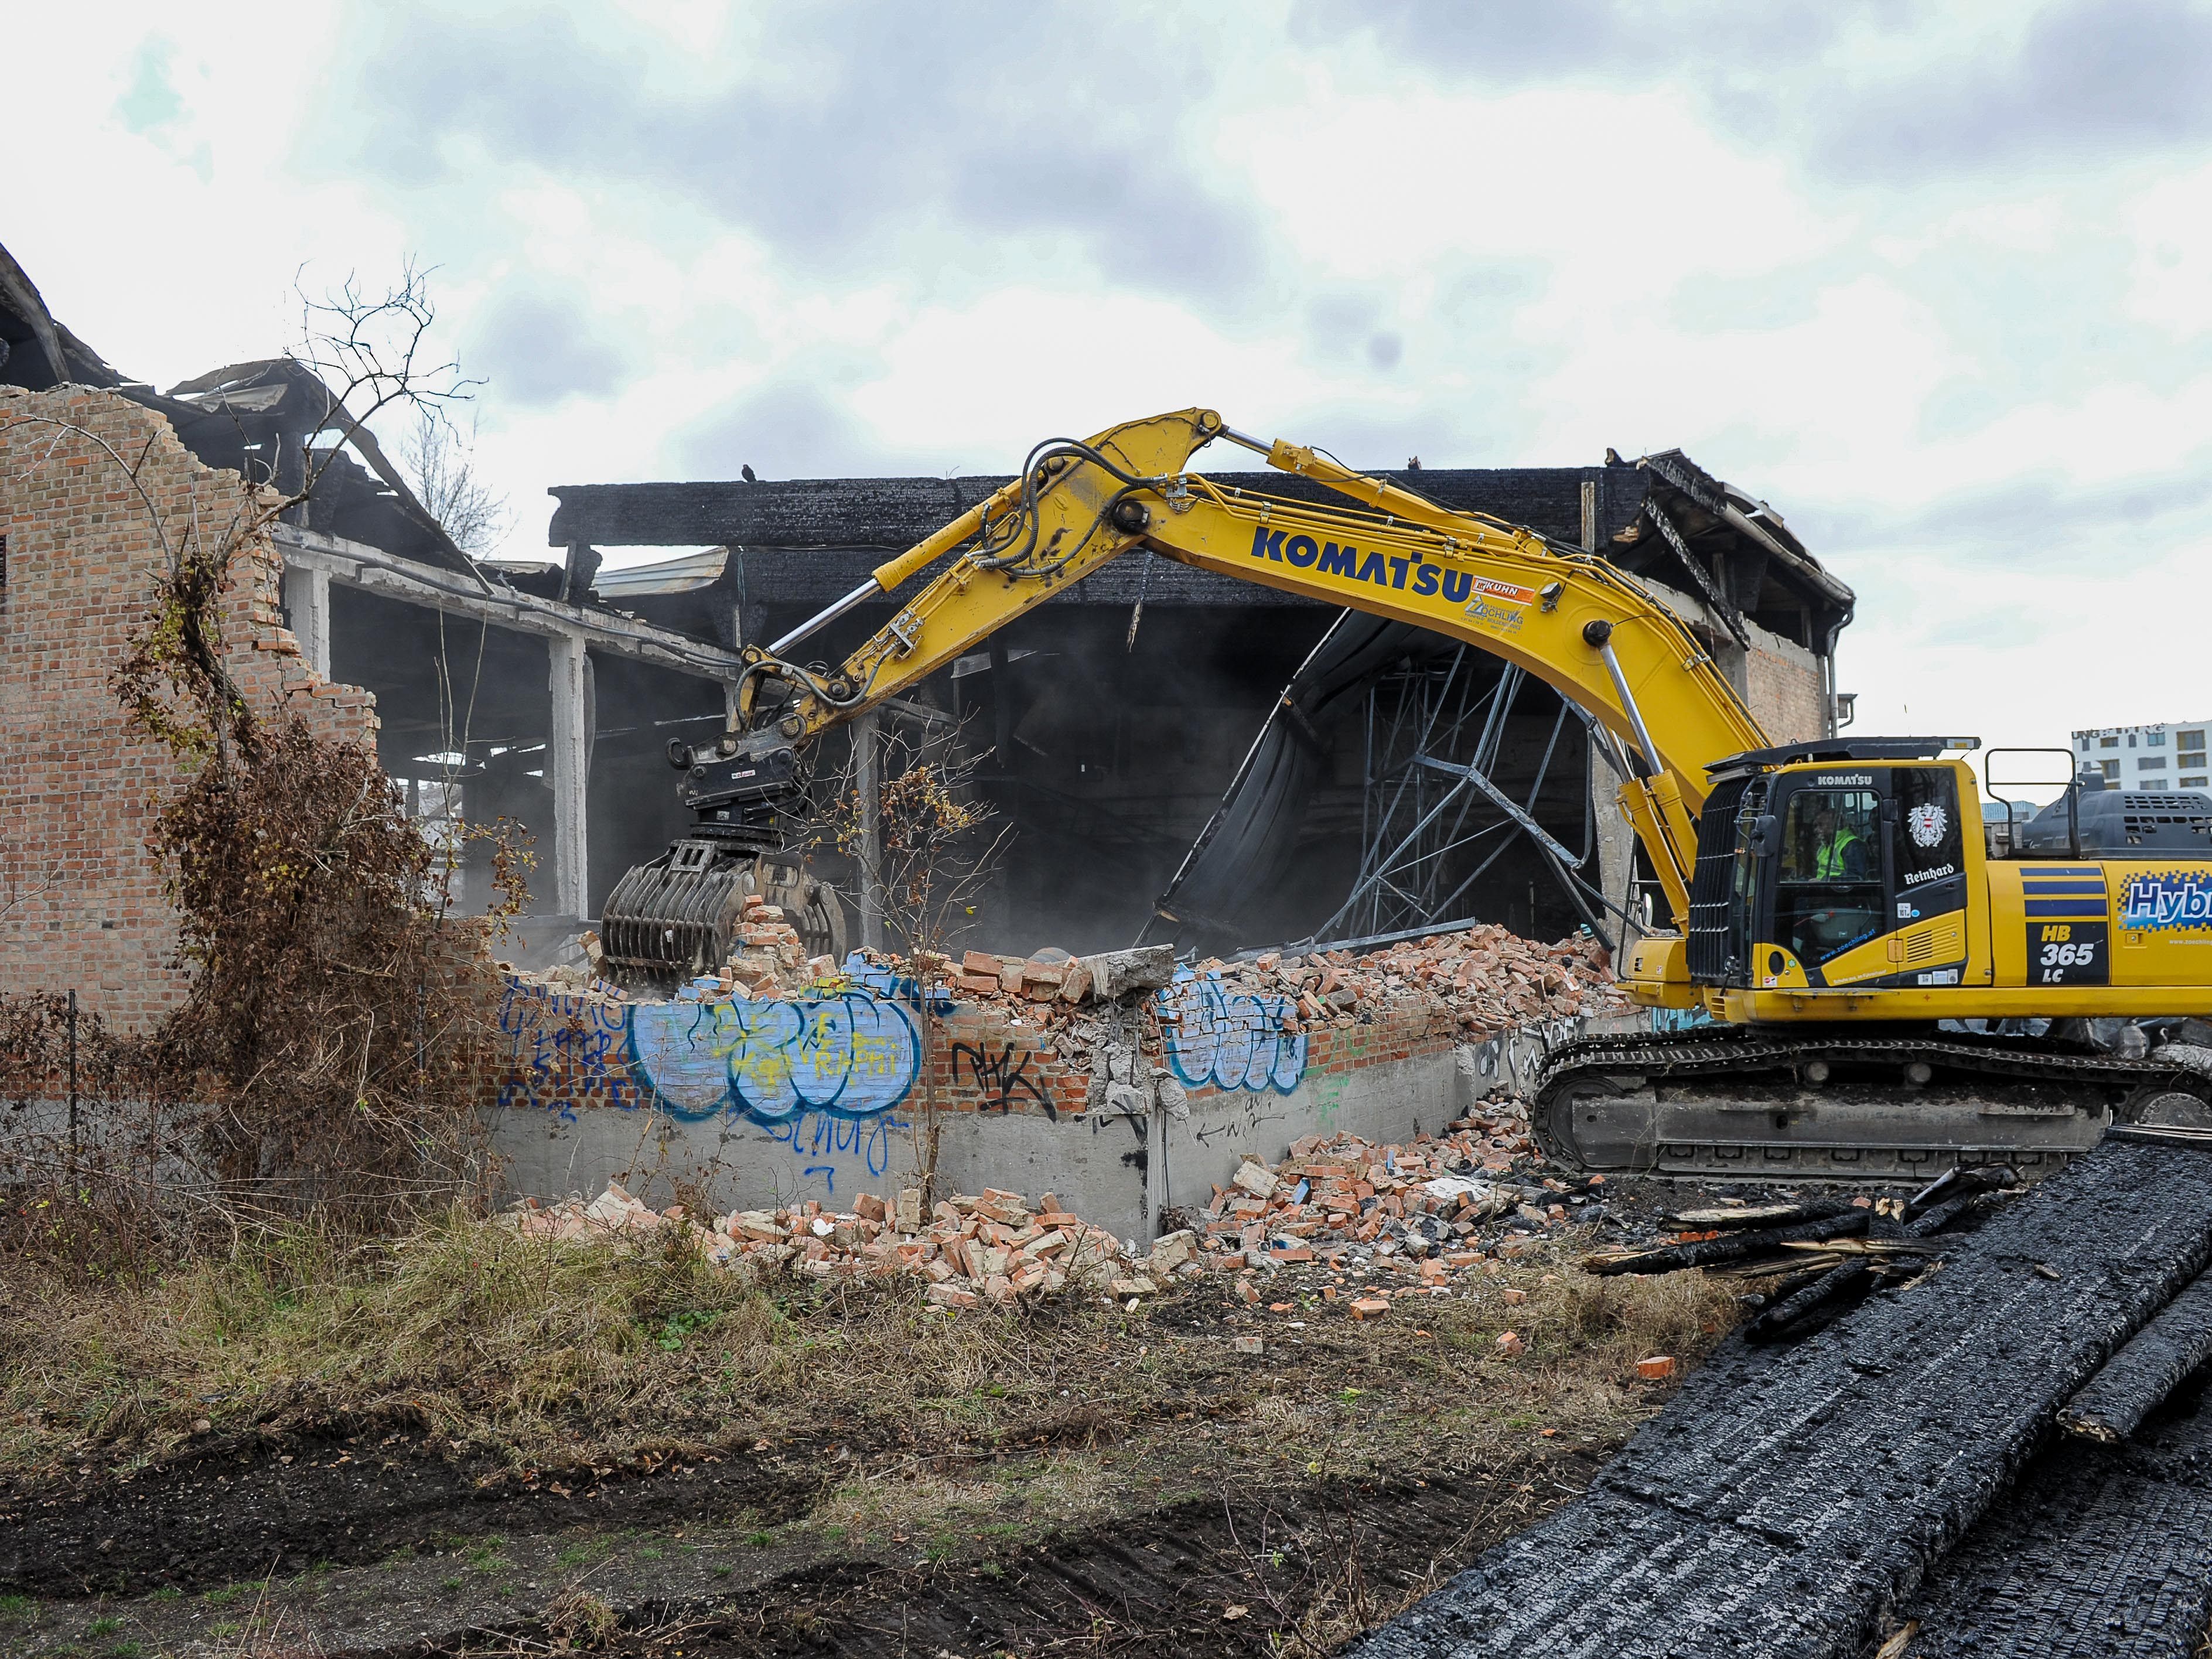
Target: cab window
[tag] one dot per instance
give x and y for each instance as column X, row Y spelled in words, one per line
column 1829, row 836
column 1829, row 896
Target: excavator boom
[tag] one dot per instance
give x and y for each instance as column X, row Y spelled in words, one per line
column 1591, row 631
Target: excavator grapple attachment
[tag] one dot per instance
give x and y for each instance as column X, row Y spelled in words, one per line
column 678, row 916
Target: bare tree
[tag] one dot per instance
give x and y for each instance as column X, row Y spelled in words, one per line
column 441, row 464
column 923, row 843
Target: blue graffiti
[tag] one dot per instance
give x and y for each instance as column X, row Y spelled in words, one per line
column 849, row 1055
column 1230, row 1040
column 552, row 1035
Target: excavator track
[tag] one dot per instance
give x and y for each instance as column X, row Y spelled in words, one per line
column 1752, row 1105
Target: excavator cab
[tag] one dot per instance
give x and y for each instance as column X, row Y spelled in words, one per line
column 1830, row 865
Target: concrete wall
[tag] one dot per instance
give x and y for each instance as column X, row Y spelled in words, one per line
column 1123, row 1111
column 81, row 906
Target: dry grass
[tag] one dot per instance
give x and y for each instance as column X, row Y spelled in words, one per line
column 549, row 1354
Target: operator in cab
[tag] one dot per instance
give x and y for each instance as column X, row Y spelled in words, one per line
column 1839, row 853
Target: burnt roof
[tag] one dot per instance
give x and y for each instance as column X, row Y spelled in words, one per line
column 807, row 540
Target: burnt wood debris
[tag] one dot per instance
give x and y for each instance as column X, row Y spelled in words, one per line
column 1791, row 1499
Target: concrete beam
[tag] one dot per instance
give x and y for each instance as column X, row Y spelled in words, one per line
column 356, row 564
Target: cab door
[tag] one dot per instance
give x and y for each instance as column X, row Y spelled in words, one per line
column 1929, row 892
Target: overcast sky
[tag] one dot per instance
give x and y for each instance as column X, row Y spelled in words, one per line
column 1942, row 294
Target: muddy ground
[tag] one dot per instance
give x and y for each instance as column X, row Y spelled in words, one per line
column 1236, row 1501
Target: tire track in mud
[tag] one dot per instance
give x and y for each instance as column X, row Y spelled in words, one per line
column 1229, row 1573
column 282, row 1504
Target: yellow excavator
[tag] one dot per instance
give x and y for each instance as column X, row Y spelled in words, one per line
column 1862, row 986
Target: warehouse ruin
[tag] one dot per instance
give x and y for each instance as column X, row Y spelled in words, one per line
column 1230, row 765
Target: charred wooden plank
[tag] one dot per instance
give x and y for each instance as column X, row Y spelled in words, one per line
column 2100, row 1550
column 1790, row 1315
column 1789, row 1497
column 1736, row 1247
column 1758, row 1215
column 2135, row 1380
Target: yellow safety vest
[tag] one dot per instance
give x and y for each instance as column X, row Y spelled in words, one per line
column 1828, row 862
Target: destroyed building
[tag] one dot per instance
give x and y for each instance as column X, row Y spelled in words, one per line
column 1383, row 780
column 1113, row 720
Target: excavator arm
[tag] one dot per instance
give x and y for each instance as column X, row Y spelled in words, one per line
column 1586, row 629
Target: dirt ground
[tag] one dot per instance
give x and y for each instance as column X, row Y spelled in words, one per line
column 569, row 1449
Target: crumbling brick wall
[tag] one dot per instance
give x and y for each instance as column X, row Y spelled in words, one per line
column 83, row 904
column 1782, row 685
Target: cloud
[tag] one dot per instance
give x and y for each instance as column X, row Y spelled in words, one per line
column 535, row 346
column 849, row 137
column 1856, row 93
column 793, row 427
column 2085, row 82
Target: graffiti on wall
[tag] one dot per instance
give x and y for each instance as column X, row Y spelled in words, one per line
column 1228, row 1040
column 848, row 1056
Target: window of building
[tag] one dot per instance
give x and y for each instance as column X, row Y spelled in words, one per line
column 2108, row 743
column 2151, row 763
column 2152, row 783
column 2110, row 768
column 2189, row 741
column 2085, row 742
column 2195, row 783
column 2131, row 739
column 2154, row 740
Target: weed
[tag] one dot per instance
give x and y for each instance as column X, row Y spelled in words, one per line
column 583, row 1553
column 14, row 1606
column 168, row 1593
column 581, row 1620
column 103, row 1627
column 223, row 1595
column 760, row 1540
column 650, row 1551
column 452, row 1584
column 678, row 1325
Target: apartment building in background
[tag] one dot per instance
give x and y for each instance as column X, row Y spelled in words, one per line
column 2170, row 756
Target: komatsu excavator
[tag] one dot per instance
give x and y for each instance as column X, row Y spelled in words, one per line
column 1856, row 975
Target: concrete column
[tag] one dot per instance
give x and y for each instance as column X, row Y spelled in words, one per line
column 307, row 597
column 1589, row 515
column 866, row 760
column 567, row 768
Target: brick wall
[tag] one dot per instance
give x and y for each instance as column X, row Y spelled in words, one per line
column 1783, row 687
column 84, row 904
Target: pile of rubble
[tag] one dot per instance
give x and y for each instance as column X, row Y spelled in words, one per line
column 1372, row 1221
column 1338, row 1216
column 989, row 1247
column 1485, row 978
column 1489, row 979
